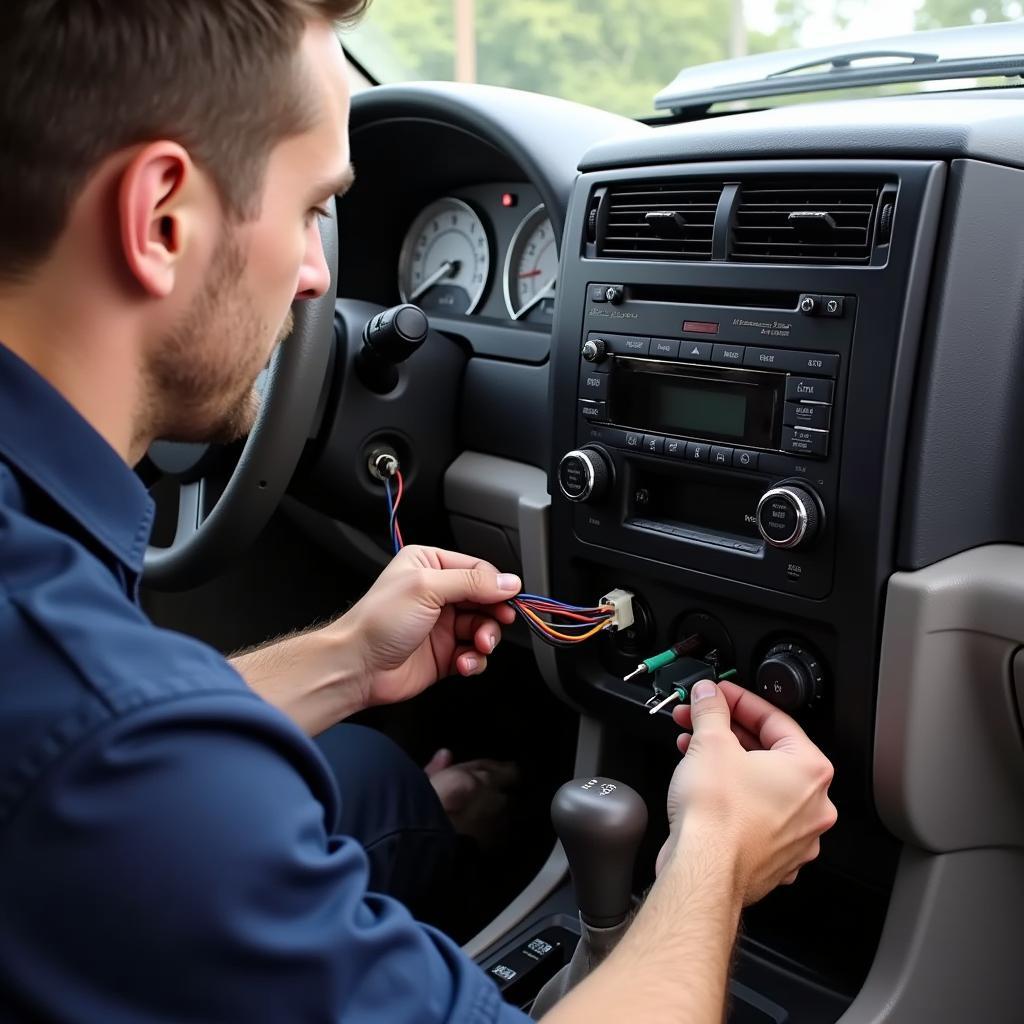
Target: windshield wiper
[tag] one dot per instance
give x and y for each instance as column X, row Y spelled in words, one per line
column 975, row 51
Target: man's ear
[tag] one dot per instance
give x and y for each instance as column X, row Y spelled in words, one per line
column 153, row 215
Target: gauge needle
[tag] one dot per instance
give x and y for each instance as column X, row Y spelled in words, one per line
column 546, row 292
column 447, row 269
column 531, row 273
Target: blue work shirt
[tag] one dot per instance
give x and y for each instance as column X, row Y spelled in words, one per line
column 166, row 846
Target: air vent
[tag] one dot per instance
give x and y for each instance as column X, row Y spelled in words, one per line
column 816, row 222
column 672, row 220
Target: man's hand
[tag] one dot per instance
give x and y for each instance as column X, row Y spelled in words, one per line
column 473, row 793
column 752, row 788
column 431, row 613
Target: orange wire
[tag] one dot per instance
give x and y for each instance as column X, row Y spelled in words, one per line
column 551, row 631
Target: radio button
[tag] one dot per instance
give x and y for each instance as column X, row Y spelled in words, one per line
column 695, row 351
column 764, row 358
column 634, row 441
column 721, row 456
column 744, row 460
column 593, row 410
column 628, row 344
column 800, row 414
column 595, row 432
column 696, row 452
column 809, row 389
column 805, row 441
column 822, row 363
column 675, row 448
column 593, row 385
column 729, row 355
column 597, row 293
column 664, row 348
column 653, row 444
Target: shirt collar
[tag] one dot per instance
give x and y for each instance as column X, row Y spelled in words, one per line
column 48, row 441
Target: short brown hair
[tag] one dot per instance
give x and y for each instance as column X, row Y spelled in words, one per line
column 82, row 79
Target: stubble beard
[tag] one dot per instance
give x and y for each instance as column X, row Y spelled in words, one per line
column 200, row 380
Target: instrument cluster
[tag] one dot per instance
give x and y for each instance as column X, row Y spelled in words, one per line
column 488, row 250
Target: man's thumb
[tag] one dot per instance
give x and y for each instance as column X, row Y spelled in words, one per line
column 709, row 709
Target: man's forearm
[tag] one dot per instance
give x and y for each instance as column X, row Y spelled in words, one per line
column 308, row 676
column 673, row 963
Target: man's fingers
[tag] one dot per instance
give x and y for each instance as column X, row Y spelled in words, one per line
column 681, row 716
column 683, row 741
column 484, row 586
column 494, row 773
column 765, row 723
column 441, row 760
column 772, row 727
column 468, row 661
column 709, row 710
column 479, row 630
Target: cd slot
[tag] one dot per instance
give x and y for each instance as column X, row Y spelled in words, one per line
column 742, row 298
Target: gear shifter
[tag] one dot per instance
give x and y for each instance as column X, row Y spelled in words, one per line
column 601, row 824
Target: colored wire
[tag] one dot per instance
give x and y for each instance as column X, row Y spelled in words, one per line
column 396, row 531
column 391, row 514
column 570, row 624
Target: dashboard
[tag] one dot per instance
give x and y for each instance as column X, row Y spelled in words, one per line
column 812, row 314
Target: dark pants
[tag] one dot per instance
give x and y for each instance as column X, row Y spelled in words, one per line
column 389, row 806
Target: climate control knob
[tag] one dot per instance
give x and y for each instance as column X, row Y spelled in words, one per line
column 790, row 677
column 584, row 474
column 789, row 515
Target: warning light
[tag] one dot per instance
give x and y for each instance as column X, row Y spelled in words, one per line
column 509, row 199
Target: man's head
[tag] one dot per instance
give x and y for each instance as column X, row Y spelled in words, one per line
column 172, row 154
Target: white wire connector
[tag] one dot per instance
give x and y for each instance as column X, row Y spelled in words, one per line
column 622, row 603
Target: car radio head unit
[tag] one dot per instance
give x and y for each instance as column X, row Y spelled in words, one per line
column 710, row 436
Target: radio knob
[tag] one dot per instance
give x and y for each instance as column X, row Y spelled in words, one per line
column 789, row 516
column 790, row 677
column 584, row 474
column 595, row 350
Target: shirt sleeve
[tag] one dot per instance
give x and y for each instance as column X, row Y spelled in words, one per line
column 177, row 866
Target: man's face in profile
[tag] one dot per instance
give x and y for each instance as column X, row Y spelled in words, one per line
column 201, row 374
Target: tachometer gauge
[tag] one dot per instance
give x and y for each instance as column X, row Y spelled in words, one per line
column 531, row 268
column 445, row 259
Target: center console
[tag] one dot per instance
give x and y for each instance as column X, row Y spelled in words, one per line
column 733, row 360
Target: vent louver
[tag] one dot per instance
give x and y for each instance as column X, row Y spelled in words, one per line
column 813, row 222
column 672, row 220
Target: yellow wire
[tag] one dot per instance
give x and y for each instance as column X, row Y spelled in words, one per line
column 551, row 631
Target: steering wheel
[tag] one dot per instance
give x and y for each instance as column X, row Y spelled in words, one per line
column 292, row 391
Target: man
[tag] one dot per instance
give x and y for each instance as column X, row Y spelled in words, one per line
column 166, row 836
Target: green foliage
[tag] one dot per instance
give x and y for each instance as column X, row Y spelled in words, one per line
column 609, row 53
column 614, row 54
column 949, row 13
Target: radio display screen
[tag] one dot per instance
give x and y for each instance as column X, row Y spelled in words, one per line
column 685, row 410
column 730, row 406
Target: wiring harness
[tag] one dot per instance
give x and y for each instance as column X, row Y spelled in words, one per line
column 555, row 622
column 560, row 624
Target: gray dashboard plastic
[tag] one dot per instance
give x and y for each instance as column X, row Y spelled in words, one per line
column 949, row 756
column 933, row 127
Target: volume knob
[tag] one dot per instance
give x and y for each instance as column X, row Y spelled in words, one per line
column 584, row 474
column 789, row 516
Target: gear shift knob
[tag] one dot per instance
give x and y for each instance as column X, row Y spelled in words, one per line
column 601, row 824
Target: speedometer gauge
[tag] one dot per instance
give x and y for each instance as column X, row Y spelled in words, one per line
column 445, row 259
column 531, row 268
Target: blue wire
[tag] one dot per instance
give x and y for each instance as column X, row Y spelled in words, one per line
column 391, row 513
column 551, row 600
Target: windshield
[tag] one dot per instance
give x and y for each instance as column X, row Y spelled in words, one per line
column 617, row 54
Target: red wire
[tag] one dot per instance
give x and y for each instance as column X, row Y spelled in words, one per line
column 394, row 508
